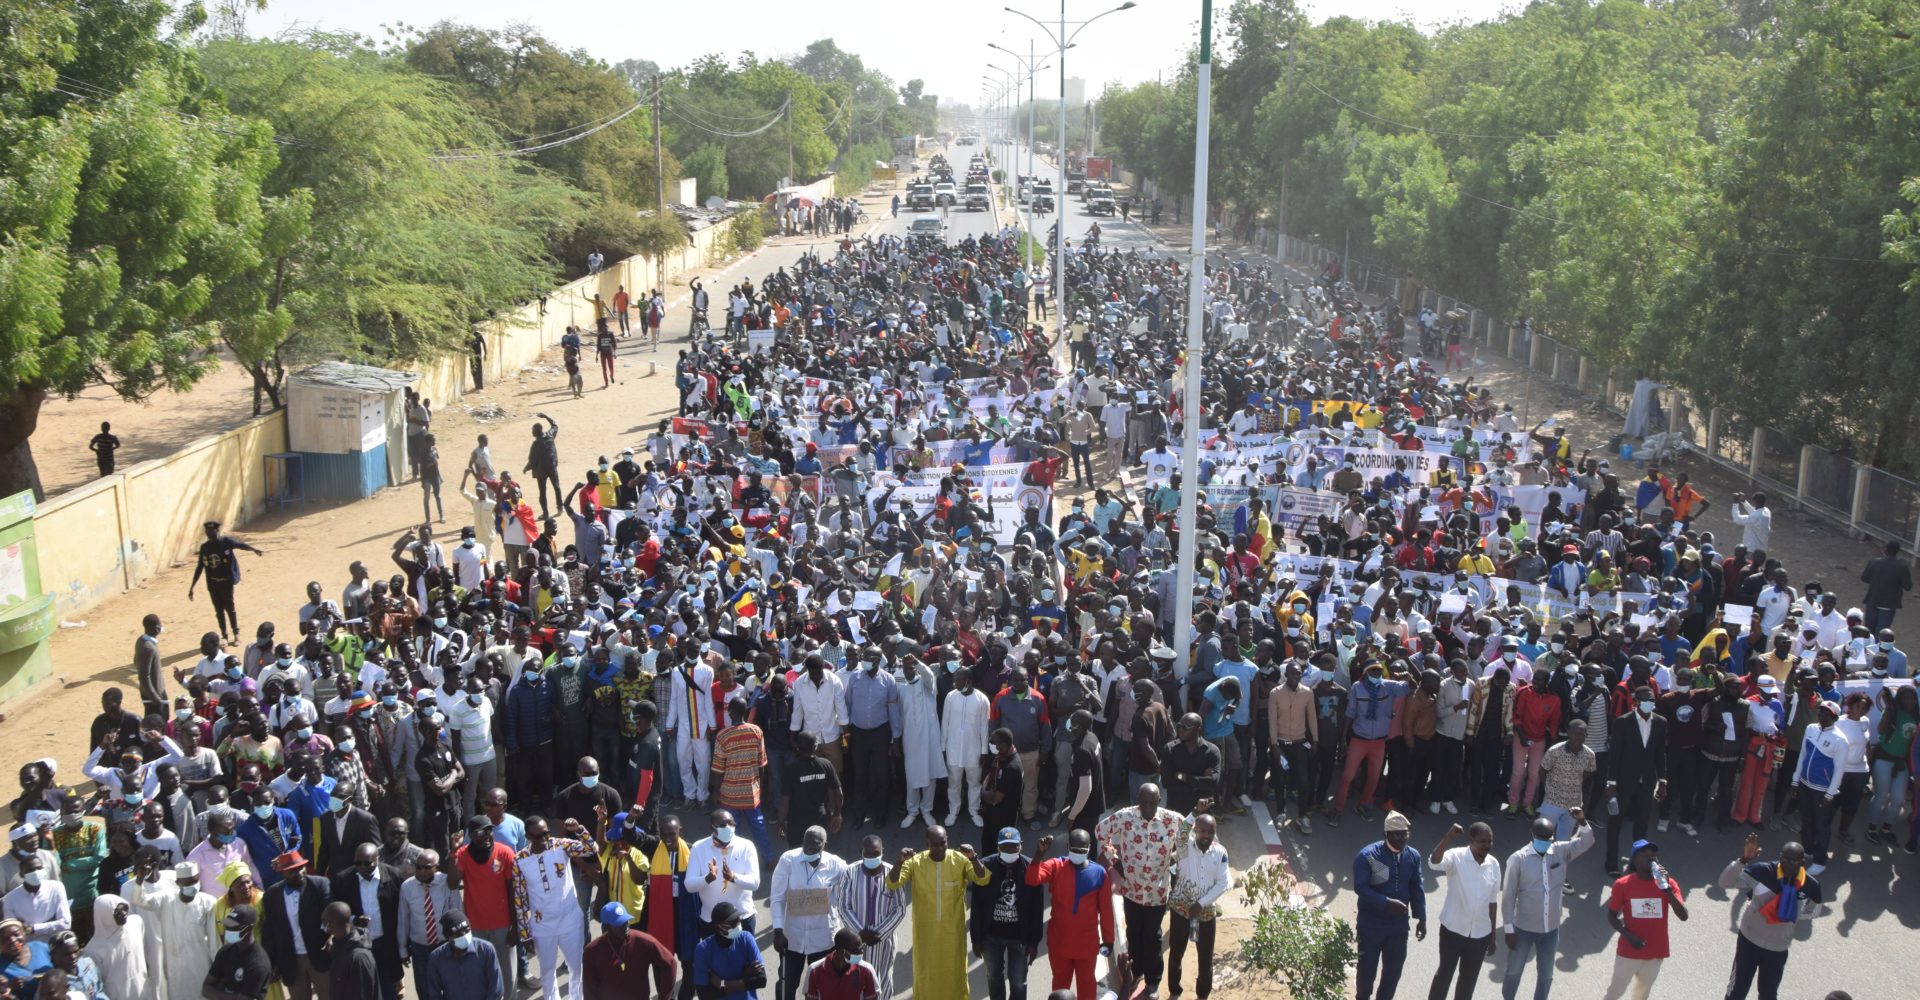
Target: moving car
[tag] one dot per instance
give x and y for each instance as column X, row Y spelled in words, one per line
column 944, row 193
column 926, row 225
column 920, row 195
column 978, row 198
column 1101, row 204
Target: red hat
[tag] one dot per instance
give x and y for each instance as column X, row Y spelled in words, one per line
column 289, row 861
column 1575, row 549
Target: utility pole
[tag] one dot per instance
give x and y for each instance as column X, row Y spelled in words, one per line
column 659, row 160
column 1280, row 243
column 1184, row 572
column 789, row 138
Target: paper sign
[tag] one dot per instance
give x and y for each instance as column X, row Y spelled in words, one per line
column 1738, row 614
column 1452, row 604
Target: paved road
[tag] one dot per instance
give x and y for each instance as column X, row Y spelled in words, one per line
column 1859, row 946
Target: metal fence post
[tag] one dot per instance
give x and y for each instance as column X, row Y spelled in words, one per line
column 1805, row 485
column 1862, row 480
column 1713, row 432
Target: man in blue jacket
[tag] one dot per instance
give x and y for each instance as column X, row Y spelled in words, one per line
column 1387, row 880
column 269, row 830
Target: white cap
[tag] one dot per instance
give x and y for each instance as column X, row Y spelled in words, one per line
column 22, row 832
column 185, row 870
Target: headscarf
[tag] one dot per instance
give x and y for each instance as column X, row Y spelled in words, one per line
column 228, row 876
column 118, row 950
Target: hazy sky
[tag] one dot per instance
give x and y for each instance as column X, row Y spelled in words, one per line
column 940, row 43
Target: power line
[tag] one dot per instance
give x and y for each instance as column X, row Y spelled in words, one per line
column 683, row 116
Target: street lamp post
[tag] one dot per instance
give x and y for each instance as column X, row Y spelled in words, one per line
column 1196, row 306
column 1032, row 67
column 1063, row 41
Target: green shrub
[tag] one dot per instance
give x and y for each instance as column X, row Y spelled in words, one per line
column 1303, row 946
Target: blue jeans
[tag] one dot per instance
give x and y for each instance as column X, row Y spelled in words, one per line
column 1006, row 970
column 670, row 771
column 418, row 953
column 755, row 823
column 1562, row 820
column 1382, row 949
column 1543, row 944
column 1889, row 791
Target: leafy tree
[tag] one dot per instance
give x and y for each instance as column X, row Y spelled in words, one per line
column 707, row 165
column 402, row 249
column 127, row 196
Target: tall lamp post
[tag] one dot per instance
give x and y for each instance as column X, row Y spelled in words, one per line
column 1032, row 66
column 1062, row 41
column 1196, row 309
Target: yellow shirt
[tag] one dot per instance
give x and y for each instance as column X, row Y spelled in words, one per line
column 627, row 872
column 609, row 489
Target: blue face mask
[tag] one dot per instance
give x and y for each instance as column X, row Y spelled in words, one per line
column 224, row 838
column 730, row 933
column 809, row 858
column 872, row 864
column 723, row 834
column 1543, row 846
column 589, row 780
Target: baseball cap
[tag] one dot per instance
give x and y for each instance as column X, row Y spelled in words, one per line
column 615, row 915
column 240, row 918
column 1398, row 823
column 1644, row 845
column 1008, row 835
column 478, row 824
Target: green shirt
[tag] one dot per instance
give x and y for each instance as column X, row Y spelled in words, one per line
column 81, row 849
column 1897, row 741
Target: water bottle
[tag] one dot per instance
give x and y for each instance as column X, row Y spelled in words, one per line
column 1613, row 806
column 1660, row 877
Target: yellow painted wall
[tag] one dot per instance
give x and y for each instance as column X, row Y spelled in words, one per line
column 110, row 535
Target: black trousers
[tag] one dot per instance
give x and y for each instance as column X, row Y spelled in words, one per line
column 867, row 755
column 1636, row 807
column 792, row 965
column 530, row 776
column 1717, row 788
column 1749, row 960
column 1415, row 762
column 220, row 594
column 1201, row 933
column 1457, row 951
column 1687, row 785
column 1448, row 757
column 1295, row 773
column 1143, row 939
column 541, row 481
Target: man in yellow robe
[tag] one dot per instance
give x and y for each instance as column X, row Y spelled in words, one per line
column 939, row 878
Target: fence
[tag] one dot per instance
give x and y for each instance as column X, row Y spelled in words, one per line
column 1861, row 499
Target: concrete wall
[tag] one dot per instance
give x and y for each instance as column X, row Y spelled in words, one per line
column 112, row 534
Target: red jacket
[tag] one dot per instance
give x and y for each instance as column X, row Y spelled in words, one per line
column 1536, row 714
column 1082, row 896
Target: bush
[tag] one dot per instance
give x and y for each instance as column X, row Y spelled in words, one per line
column 1305, row 947
column 746, row 232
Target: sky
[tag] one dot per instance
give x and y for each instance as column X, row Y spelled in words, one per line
column 944, row 44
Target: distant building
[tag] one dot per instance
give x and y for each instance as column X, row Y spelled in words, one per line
column 1076, row 91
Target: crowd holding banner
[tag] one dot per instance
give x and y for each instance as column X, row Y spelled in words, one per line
column 858, row 577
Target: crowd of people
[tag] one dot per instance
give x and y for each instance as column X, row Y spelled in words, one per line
column 837, row 587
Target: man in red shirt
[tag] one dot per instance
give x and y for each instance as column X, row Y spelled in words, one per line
column 618, row 961
column 841, row 975
column 1536, row 720
column 1638, row 909
column 1080, row 926
column 484, row 868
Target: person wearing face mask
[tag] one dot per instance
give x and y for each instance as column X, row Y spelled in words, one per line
column 269, row 830
column 240, row 969
column 874, row 726
column 804, row 920
column 1005, row 919
column 121, row 949
column 963, row 734
column 1530, row 891
column 39, row 901
column 466, row 967
column 724, row 868
column 469, row 560
column 1536, row 718
column 727, row 964
column 842, row 975
column 1780, row 896
column 1080, row 925
column 342, row 830
column 1364, row 730
column 221, row 847
column 182, row 918
column 1638, row 765
column 424, row 898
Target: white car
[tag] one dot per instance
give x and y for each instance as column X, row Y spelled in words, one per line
column 926, row 225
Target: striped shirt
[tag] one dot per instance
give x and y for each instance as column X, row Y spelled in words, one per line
column 738, row 755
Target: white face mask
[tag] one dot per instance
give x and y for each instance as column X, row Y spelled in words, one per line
column 464, row 942
column 1009, row 856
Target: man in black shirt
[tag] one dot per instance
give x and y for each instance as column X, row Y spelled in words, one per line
column 240, row 969
column 103, row 445
column 578, row 800
column 222, row 570
column 1190, row 765
column 1002, row 783
column 812, row 792
column 352, row 973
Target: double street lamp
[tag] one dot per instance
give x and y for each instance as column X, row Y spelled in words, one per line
column 1032, row 66
column 1063, row 41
